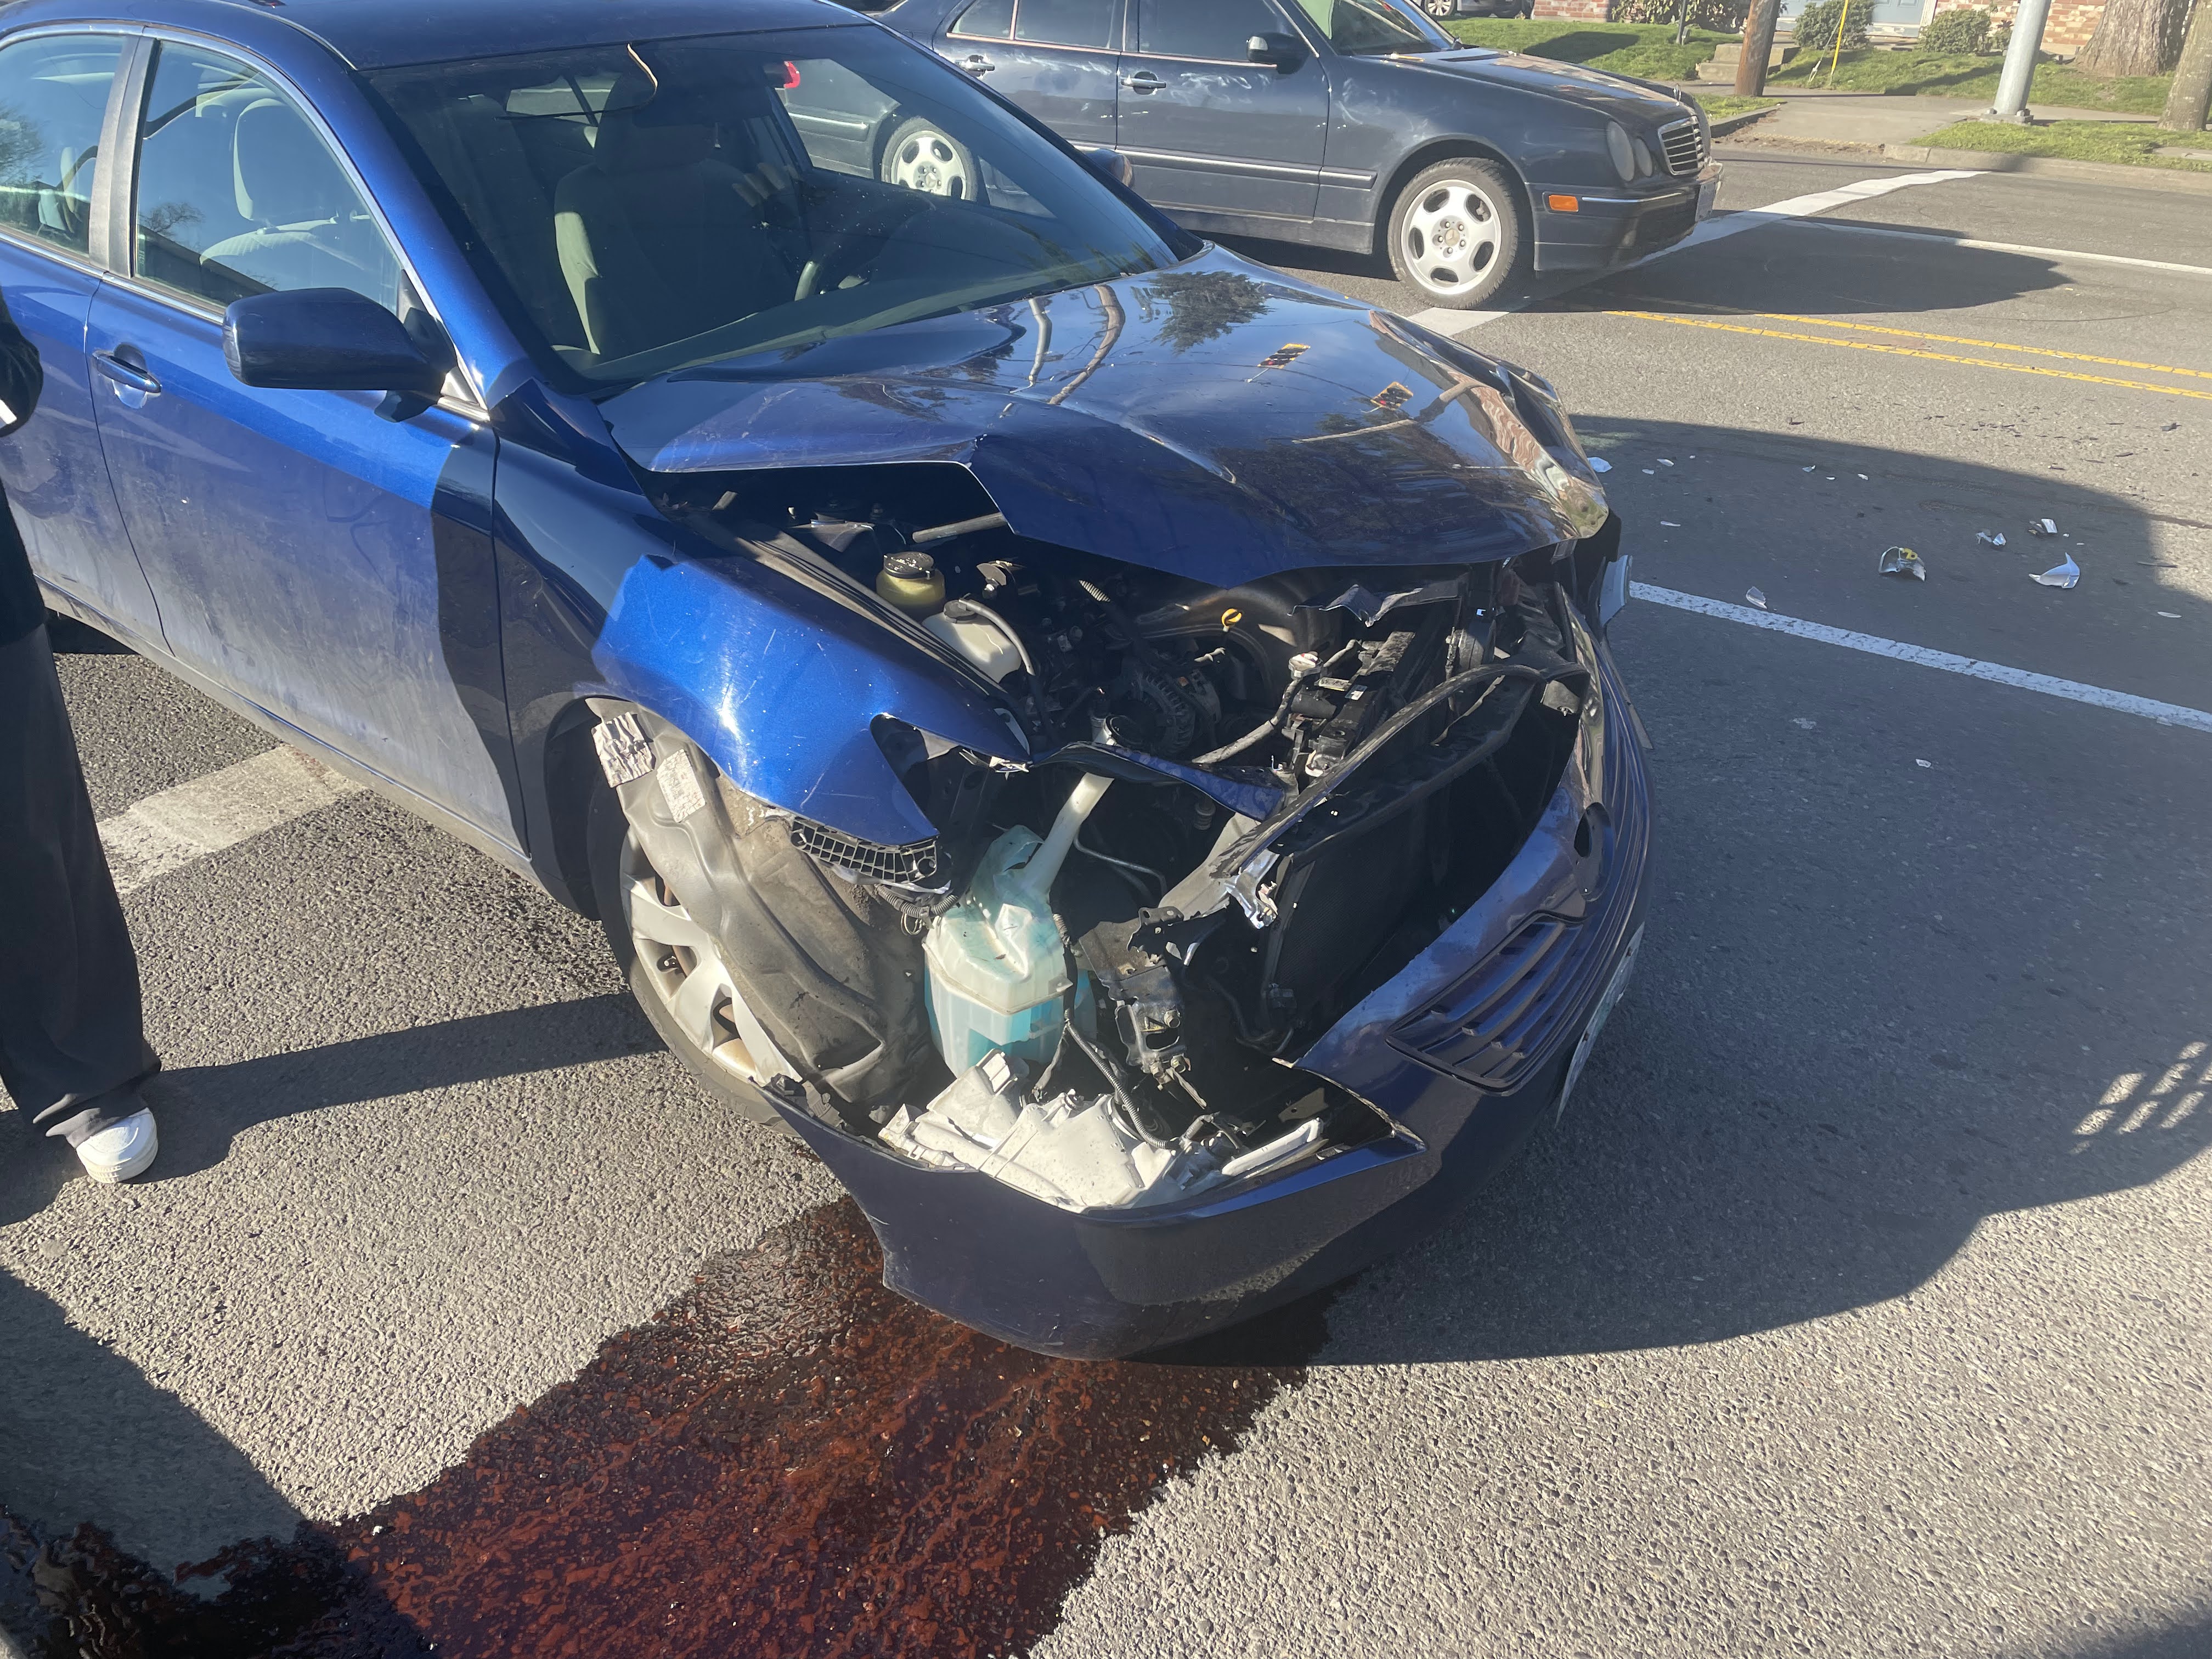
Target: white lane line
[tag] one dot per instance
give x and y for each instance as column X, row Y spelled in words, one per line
column 2166, row 713
column 1730, row 224
column 1940, row 239
column 180, row 826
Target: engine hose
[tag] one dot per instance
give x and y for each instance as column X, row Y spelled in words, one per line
column 1268, row 725
column 1129, row 1117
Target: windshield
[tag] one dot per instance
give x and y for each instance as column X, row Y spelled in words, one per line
column 639, row 207
column 1366, row 28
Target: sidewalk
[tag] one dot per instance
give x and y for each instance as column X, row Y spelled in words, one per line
column 1873, row 118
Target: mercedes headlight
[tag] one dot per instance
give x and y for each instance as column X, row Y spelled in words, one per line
column 1642, row 160
column 1620, row 146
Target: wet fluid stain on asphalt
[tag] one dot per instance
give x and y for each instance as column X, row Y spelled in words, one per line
column 790, row 1460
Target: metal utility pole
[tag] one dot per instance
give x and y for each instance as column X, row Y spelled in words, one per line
column 1758, row 47
column 2191, row 92
column 2019, row 64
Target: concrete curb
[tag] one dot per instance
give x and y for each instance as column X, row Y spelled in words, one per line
column 2054, row 166
column 1728, row 124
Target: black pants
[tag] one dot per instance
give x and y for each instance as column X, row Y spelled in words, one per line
column 72, row 1047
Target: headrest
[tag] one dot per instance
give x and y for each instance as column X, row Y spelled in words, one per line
column 281, row 170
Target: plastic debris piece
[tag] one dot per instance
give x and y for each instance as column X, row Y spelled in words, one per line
column 1863, row 478
column 1664, row 461
column 2043, row 526
column 1755, row 597
column 1928, row 765
column 1650, row 472
column 2060, row 575
column 2176, row 615
column 1668, row 524
column 2171, row 426
column 1994, row 538
column 1809, row 469
column 1903, row 561
column 1809, row 724
column 1599, row 464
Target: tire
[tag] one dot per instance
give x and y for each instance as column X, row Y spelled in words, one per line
column 921, row 155
column 1456, row 233
column 617, row 862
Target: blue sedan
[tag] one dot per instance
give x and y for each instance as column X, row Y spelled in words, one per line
column 1115, row 749
column 1344, row 124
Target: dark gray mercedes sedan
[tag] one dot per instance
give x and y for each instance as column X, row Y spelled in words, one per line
column 1346, row 123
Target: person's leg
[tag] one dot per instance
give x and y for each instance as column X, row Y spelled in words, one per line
column 73, row 1048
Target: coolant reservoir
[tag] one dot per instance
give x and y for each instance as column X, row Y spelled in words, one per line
column 998, row 967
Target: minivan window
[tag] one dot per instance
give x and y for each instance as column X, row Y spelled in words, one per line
column 643, row 207
column 53, row 96
column 239, row 195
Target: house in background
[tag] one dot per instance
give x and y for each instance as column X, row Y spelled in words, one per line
column 2070, row 25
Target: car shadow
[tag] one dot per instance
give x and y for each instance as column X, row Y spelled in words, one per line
column 1877, row 1009
column 202, row 1108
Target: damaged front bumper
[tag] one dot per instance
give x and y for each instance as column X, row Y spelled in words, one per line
column 1463, row 1053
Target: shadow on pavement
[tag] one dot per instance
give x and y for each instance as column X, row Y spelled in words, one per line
column 1879, row 1005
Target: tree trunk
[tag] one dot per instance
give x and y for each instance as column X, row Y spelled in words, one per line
column 2135, row 37
column 2186, row 102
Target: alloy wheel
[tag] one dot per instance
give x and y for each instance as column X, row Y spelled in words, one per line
column 683, row 968
column 1449, row 239
column 926, row 160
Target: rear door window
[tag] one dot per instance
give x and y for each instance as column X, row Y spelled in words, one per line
column 1066, row 23
column 53, row 96
column 986, row 20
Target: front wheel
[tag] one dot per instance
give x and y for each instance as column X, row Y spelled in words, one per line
column 921, row 155
column 1455, row 232
column 675, row 969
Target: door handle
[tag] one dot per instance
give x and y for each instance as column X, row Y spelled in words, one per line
column 975, row 63
column 1143, row 80
column 129, row 377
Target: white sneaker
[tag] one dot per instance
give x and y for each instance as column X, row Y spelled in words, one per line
column 121, row 1150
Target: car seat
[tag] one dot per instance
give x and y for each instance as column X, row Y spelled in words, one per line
column 655, row 241
column 310, row 230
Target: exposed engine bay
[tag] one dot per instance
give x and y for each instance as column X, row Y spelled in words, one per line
column 1242, row 811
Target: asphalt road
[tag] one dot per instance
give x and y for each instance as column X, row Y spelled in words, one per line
column 1859, row 1305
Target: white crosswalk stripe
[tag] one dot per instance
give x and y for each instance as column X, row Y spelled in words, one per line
column 180, row 826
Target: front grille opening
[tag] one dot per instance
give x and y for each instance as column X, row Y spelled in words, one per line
column 1684, row 147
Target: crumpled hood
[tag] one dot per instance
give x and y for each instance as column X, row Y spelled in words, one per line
column 1215, row 420
column 1593, row 89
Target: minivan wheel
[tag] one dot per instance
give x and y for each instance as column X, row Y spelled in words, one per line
column 1455, row 232
column 674, row 968
column 923, row 156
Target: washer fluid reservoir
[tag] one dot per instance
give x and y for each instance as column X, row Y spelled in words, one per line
column 997, row 965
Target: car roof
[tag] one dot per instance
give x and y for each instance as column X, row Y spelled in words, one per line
column 371, row 35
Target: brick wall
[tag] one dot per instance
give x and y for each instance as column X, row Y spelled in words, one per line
column 2065, row 32
column 1582, row 11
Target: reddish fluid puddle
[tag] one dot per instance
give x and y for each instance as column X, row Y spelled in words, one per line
column 788, row 1461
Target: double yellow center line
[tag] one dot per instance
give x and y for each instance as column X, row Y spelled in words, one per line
column 1748, row 327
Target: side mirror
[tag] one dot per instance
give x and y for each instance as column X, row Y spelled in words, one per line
column 1111, row 162
column 328, row 339
column 1283, row 52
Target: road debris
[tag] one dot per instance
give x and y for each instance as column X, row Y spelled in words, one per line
column 2176, row 615
column 2043, row 526
column 1668, row 524
column 2059, row 575
column 1994, row 538
column 1809, row 724
column 1863, row 479
column 1903, row 561
column 1755, row 597
column 1650, row 472
column 1809, row 468
column 1926, row 765
column 1664, row 461
column 1599, row 464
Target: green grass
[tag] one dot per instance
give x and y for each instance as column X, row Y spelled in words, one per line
column 1719, row 106
column 1644, row 49
column 1964, row 76
column 2126, row 141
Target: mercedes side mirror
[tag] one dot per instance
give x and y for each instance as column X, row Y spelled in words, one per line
column 1282, row 51
column 330, row 339
column 1111, row 162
